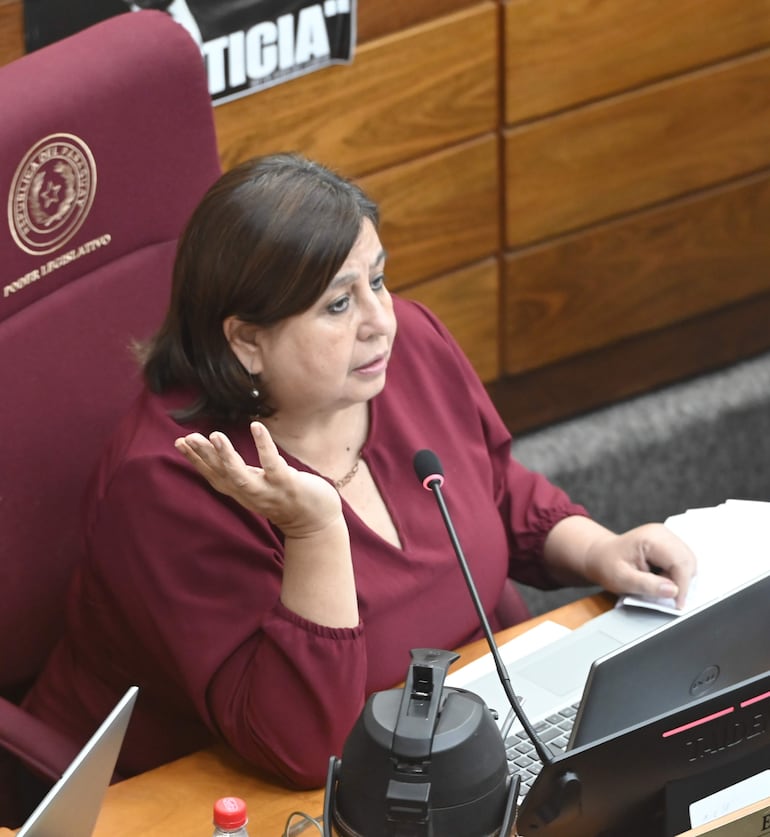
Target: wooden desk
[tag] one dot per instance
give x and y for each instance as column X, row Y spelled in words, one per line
column 177, row 798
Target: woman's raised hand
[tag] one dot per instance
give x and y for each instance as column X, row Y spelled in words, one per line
column 299, row 503
column 318, row 581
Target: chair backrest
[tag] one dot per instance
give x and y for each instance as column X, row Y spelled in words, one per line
column 108, row 143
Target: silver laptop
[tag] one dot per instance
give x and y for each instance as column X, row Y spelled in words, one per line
column 554, row 677
column 71, row 807
column 627, row 666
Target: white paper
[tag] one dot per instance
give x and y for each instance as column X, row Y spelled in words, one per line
column 731, row 543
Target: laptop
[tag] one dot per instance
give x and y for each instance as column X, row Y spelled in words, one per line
column 628, row 666
column 71, row 807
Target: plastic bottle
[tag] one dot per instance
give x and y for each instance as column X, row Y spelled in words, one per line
column 230, row 817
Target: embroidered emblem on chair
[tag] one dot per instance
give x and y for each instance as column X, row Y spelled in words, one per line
column 51, row 193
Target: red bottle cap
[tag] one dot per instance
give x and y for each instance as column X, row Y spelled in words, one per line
column 230, row 812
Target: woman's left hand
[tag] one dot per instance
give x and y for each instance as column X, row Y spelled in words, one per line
column 649, row 560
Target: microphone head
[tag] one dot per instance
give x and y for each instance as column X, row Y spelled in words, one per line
column 428, row 468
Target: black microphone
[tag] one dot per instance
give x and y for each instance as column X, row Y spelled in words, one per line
column 430, row 473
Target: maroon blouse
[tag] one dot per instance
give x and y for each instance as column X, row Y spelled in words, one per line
column 179, row 588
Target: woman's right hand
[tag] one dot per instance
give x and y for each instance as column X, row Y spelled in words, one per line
column 299, row 503
column 318, row 581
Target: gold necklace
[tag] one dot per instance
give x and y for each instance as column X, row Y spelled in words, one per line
column 343, row 481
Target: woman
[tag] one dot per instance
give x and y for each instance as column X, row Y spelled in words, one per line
column 259, row 553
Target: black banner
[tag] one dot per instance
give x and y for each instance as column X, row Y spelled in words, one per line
column 247, row 45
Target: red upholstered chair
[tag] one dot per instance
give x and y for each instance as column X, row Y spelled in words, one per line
column 107, row 144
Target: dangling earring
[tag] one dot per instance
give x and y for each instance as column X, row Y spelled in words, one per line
column 254, row 385
column 254, row 396
column 254, row 380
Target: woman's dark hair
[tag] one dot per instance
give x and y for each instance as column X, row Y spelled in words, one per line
column 263, row 244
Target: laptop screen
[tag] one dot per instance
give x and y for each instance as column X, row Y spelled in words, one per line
column 71, row 807
column 706, row 650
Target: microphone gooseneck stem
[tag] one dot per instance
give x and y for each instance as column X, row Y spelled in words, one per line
column 546, row 757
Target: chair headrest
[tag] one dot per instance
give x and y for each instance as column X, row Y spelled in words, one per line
column 108, row 144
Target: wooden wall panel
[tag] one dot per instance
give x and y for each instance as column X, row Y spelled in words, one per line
column 631, row 151
column 439, row 212
column 401, row 97
column 11, row 31
column 646, row 272
column 376, row 18
column 559, row 53
column 466, row 301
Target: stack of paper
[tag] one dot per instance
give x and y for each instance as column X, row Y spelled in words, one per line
column 732, row 545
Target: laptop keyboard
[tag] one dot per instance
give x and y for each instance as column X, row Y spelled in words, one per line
column 554, row 731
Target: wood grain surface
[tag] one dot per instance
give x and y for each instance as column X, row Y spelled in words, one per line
column 466, row 301
column 440, row 211
column 562, row 53
column 642, row 273
column 635, row 150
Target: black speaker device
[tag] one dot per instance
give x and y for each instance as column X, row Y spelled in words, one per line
column 423, row 761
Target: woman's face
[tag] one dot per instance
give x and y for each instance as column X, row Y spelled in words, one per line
column 336, row 353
